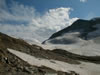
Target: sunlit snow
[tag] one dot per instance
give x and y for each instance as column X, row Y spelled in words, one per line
column 83, row 68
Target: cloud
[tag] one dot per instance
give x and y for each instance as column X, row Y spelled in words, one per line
column 90, row 15
column 17, row 12
column 83, row 1
column 25, row 22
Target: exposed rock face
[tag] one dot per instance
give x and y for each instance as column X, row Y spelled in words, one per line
column 12, row 65
column 84, row 27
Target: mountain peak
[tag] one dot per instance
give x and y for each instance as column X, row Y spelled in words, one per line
column 81, row 26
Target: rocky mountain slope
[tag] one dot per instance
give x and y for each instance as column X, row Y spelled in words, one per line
column 84, row 27
column 11, row 64
column 82, row 37
column 17, row 57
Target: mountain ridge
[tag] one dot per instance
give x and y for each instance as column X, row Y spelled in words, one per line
column 78, row 26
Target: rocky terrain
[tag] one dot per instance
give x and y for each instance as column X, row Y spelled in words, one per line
column 10, row 64
column 13, row 64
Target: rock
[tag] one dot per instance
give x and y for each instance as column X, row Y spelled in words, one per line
column 73, row 73
column 26, row 69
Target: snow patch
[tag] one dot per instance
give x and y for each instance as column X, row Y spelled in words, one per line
column 82, row 69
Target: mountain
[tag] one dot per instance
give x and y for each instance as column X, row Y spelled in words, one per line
column 17, row 57
column 84, row 27
column 73, row 51
column 82, row 37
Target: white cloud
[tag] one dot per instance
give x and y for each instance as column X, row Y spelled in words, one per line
column 24, row 22
column 83, row 1
column 90, row 15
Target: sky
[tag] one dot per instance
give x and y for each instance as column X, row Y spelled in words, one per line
column 37, row 20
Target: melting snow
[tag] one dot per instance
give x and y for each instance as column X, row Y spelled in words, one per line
column 82, row 69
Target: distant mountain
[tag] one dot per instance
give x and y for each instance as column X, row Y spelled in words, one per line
column 84, row 27
column 82, row 37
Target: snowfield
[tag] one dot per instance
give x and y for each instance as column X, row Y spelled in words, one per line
column 83, row 68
